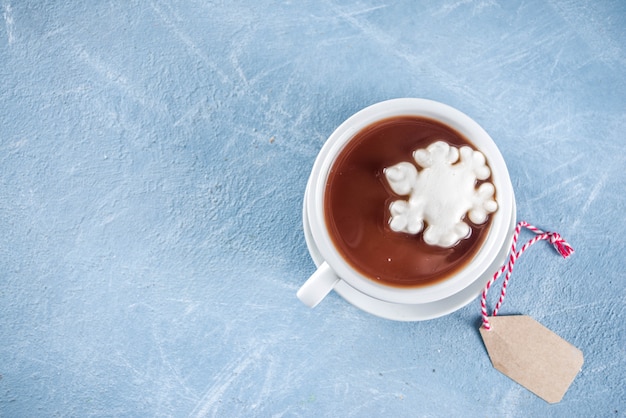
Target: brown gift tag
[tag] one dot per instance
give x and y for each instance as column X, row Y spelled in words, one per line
column 532, row 355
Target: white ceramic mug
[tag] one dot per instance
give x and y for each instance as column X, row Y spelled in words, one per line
column 335, row 269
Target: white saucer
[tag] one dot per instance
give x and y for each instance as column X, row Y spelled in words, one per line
column 405, row 312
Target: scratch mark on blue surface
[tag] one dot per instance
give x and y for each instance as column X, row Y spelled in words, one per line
column 209, row 402
column 511, row 400
column 602, row 367
column 9, row 22
column 15, row 145
column 101, row 67
column 199, row 110
column 552, row 130
column 264, row 74
column 188, row 42
column 234, row 55
column 407, row 53
column 556, row 311
column 567, row 163
column 365, row 11
column 558, row 186
column 592, row 197
column 268, row 384
column 581, row 17
column 557, row 60
column 189, row 392
column 116, row 78
column 449, row 8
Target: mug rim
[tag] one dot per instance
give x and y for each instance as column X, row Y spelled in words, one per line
column 473, row 132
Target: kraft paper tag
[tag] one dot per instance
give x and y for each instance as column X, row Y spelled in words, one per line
column 532, row 355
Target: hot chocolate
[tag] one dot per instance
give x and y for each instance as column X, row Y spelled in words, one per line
column 359, row 211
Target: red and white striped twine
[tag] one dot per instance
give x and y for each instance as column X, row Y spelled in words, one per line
column 555, row 239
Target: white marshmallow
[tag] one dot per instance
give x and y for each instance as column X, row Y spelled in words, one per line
column 441, row 194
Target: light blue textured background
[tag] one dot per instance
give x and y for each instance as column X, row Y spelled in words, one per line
column 153, row 157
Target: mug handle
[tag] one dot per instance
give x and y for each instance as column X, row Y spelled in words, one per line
column 318, row 286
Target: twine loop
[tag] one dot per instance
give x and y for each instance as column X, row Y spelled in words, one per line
column 559, row 244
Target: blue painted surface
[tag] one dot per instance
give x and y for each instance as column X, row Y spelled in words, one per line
column 153, row 157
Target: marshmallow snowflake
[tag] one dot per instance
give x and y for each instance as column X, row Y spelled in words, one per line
column 441, row 194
